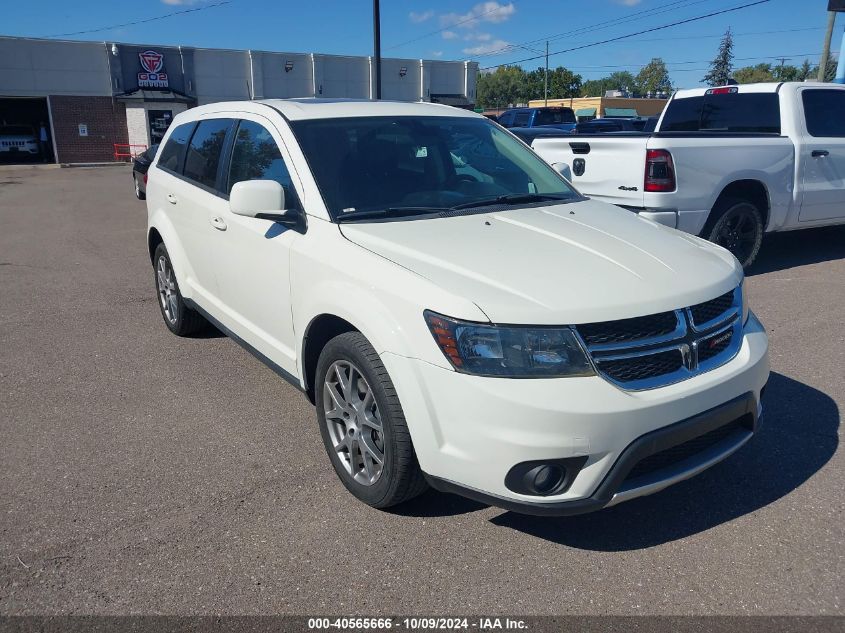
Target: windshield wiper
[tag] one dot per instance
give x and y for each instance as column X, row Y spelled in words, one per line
column 389, row 212
column 513, row 198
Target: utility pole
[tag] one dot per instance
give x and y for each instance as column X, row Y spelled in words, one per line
column 546, row 76
column 377, row 46
column 831, row 20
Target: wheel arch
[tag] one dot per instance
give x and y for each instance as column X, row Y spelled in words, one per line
column 320, row 330
column 750, row 189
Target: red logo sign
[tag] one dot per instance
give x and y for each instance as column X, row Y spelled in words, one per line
column 151, row 61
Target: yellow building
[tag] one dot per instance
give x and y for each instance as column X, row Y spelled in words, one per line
column 587, row 108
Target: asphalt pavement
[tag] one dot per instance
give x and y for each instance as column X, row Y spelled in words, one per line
column 144, row 473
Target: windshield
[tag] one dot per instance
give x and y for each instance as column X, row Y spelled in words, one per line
column 394, row 165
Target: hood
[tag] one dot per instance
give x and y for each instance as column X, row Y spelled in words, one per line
column 562, row 264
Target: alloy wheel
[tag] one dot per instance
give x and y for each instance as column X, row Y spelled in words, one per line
column 737, row 232
column 167, row 292
column 354, row 422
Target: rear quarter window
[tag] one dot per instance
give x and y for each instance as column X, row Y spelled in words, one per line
column 173, row 154
column 824, row 112
column 203, row 157
column 746, row 113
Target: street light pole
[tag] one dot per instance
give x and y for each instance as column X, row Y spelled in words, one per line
column 546, row 76
column 831, row 19
column 377, row 46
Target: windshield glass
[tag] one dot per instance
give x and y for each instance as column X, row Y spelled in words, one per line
column 389, row 164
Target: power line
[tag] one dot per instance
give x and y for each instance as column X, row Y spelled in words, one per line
column 145, row 21
column 699, row 61
column 651, row 30
column 598, row 26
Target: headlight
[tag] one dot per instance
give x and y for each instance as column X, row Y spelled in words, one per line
column 745, row 308
column 509, row 351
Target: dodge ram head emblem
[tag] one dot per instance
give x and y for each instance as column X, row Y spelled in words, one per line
column 579, row 165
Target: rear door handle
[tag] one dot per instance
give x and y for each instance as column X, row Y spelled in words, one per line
column 171, row 198
column 820, row 153
column 218, row 223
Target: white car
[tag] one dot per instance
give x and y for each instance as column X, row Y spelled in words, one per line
column 17, row 141
column 460, row 316
column 726, row 163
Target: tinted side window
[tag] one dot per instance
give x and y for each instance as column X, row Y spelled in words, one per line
column 824, row 111
column 520, row 119
column 506, row 120
column 733, row 112
column 256, row 156
column 174, row 151
column 203, row 155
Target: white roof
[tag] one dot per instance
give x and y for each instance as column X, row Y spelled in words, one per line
column 313, row 108
column 760, row 87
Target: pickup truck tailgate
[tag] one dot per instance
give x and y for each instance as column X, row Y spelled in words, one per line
column 608, row 167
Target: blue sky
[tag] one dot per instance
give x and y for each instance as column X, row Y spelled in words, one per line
column 490, row 32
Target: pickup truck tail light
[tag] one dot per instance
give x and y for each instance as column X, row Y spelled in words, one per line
column 145, row 178
column 659, row 171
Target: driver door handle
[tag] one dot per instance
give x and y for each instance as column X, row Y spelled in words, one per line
column 218, row 223
column 820, row 153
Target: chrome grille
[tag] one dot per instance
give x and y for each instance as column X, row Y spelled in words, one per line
column 668, row 347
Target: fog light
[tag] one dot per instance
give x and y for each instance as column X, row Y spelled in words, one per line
column 544, row 479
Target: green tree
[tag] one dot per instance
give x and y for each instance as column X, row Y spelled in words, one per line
column 563, row 83
column 754, row 74
column 829, row 69
column 654, row 77
column 504, row 87
column 786, row 72
column 721, row 66
column 805, row 71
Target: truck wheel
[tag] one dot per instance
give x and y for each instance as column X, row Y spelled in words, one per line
column 362, row 424
column 178, row 317
column 736, row 225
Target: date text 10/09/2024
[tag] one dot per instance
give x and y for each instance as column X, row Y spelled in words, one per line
column 417, row 624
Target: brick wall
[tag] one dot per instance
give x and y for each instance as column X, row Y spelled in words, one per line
column 106, row 121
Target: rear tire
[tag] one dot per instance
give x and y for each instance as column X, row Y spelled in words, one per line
column 178, row 317
column 361, row 422
column 737, row 225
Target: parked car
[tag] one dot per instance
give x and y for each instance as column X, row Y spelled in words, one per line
column 619, row 124
column 460, row 316
column 140, row 166
column 558, row 117
column 724, row 163
column 18, row 141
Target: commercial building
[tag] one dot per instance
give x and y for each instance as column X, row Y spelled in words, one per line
column 588, row 108
column 91, row 96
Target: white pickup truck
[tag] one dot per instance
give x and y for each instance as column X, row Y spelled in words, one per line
column 725, row 163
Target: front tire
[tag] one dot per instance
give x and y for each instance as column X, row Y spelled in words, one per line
column 362, row 424
column 178, row 317
column 736, row 225
column 138, row 193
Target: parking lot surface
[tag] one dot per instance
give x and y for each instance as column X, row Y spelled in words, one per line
column 143, row 473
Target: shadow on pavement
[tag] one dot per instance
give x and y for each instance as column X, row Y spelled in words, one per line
column 781, row 251
column 797, row 437
column 436, row 504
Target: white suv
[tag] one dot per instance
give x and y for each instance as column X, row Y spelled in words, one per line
column 458, row 313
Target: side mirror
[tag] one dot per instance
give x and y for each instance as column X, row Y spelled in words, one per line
column 263, row 199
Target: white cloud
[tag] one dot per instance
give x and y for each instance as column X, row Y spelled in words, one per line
column 437, row 53
column 490, row 11
column 478, row 37
column 483, row 49
column 628, row 3
column 449, row 35
column 416, row 18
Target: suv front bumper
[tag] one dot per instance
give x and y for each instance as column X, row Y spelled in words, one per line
column 470, row 431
